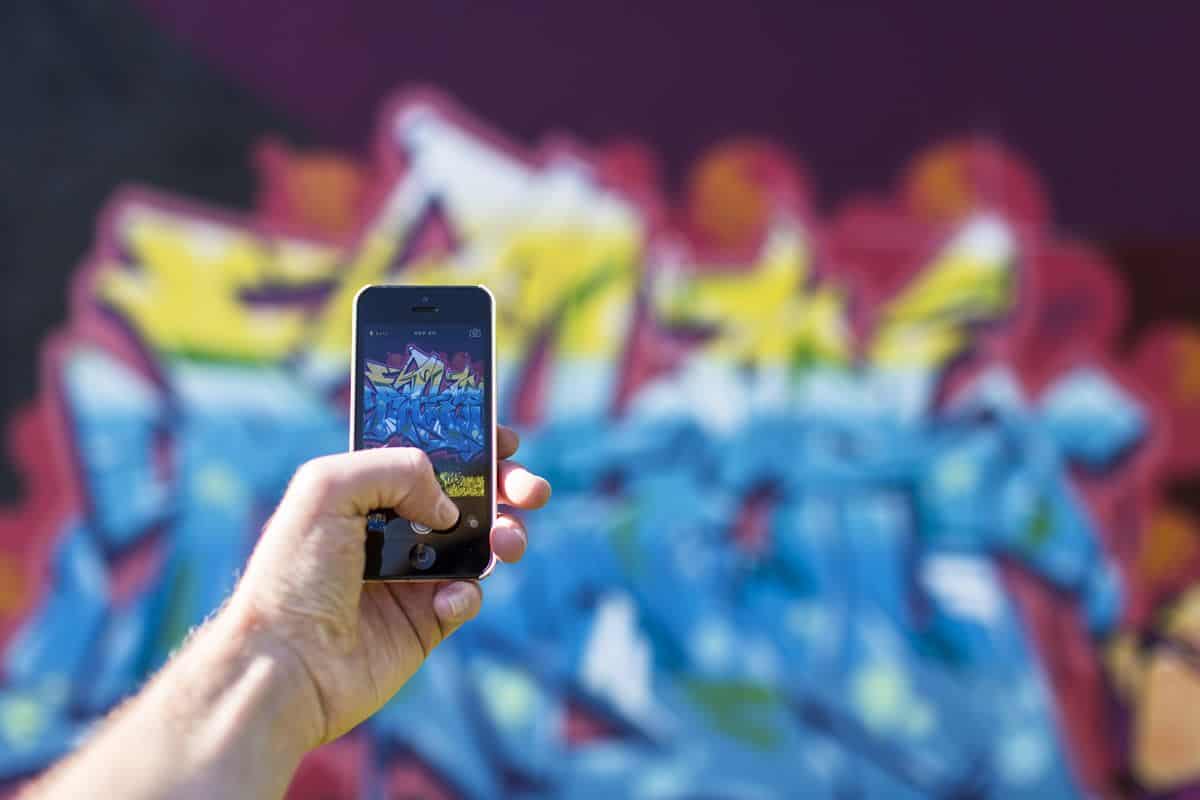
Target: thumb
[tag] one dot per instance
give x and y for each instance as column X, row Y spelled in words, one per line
column 353, row 484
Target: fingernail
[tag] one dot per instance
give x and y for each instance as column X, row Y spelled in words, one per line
column 458, row 600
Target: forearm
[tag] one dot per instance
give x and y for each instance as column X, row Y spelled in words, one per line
column 214, row 722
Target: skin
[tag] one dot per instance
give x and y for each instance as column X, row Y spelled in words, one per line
column 303, row 650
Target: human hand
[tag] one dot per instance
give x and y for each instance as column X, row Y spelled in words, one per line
column 350, row 646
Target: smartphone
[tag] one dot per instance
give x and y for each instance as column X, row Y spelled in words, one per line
column 424, row 376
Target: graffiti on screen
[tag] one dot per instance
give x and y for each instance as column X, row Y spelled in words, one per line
column 855, row 502
column 425, row 404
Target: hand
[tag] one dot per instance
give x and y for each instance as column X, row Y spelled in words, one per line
column 350, row 645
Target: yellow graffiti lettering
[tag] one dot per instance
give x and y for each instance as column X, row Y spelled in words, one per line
column 457, row 484
column 381, row 374
column 574, row 286
column 186, row 291
column 428, row 375
column 464, row 380
column 765, row 316
column 971, row 281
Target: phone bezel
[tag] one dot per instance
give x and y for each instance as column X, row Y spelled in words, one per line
column 392, row 303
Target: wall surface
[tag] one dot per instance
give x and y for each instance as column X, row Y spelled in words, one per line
column 870, row 479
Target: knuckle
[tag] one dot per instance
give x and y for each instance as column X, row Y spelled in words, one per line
column 411, row 467
column 314, row 477
column 416, row 461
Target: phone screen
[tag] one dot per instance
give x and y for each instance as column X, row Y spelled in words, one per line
column 423, row 386
column 426, row 383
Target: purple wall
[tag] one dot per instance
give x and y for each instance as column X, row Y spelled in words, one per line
column 1100, row 100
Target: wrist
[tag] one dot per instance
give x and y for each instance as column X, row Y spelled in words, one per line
column 281, row 697
column 229, row 716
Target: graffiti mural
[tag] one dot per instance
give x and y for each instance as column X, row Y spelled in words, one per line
column 865, row 503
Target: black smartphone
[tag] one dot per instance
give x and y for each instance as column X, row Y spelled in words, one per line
column 424, row 376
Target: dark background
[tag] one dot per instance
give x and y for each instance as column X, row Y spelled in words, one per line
column 174, row 93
